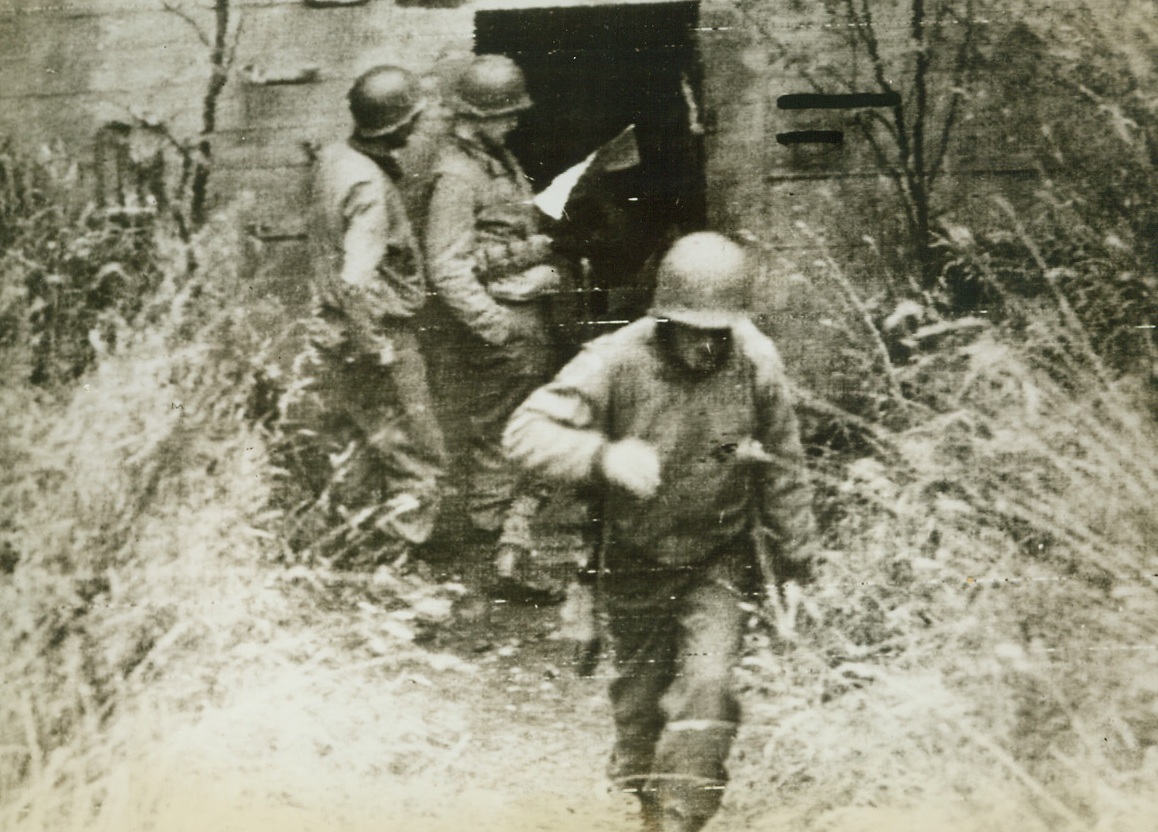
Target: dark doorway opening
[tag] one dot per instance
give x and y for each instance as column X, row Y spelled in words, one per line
column 592, row 71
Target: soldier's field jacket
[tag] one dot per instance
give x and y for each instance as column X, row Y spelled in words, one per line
column 367, row 263
column 482, row 228
column 625, row 385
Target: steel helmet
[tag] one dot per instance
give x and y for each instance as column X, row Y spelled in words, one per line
column 384, row 99
column 493, row 85
column 704, row 280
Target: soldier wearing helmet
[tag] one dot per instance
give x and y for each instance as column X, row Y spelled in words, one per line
column 683, row 425
column 369, row 378
column 495, row 272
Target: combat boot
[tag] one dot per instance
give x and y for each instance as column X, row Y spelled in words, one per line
column 520, row 579
column 521, row 576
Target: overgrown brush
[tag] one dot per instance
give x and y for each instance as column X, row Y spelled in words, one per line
column 979, row 655
column 137, row 558
column 136, row 535
column 72, row 274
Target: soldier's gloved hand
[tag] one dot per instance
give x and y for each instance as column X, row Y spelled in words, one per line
column 527, row 285
column 514, row 255
column 522, row 254
column 632, row 465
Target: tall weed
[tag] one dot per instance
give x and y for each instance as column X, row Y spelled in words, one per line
column 72, row 274
column 137, row 529
column 985, row 630
column 137, row 582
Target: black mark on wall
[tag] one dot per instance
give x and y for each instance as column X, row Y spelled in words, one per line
column 811, row 137
column 841, row 101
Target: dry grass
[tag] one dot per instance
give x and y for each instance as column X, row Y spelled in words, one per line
column 979, row 652
column 978, row 655
column 136, row 542
column 146, row 619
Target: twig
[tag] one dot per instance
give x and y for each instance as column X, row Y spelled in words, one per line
column 864, row 27
column 188, row 18
column 894, row 172
column 231, row 52
column 1075, row 326
column 881, row 437
column 31, row 736
column 878, row 341
column 157, row 126
column 959, row 68
column 220, row 63
column 920, row 186
column 778, row 46
column 1028, row 780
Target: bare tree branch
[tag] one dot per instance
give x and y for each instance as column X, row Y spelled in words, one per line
column 863, row 26
column 185, row 153
column 231, row 52
column 781, row 51
column 889, row 126
column 188, row 18
column 960, row 67
column 219, row 61
column 157, row 126
column 910, row 139
column 920, row 183
column 895, row 174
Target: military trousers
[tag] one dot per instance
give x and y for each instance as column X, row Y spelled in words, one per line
column 501, row 377
column 390, row 455
column 677, row 635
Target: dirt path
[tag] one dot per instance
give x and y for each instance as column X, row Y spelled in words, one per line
column 327, row 709
column 320, row 730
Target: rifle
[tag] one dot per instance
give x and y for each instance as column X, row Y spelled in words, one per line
column 783, row 596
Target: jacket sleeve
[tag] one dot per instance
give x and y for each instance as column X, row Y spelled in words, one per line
column 785, row 494
column 366, row 287
column 454, row 260
column 557, row 433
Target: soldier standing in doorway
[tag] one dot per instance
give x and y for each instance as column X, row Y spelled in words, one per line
column 683, row 424
column 369, row 376
column 496, row 272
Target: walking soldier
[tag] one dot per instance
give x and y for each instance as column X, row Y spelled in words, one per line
column 683, row 422
column 368, row 282
column 495, row 272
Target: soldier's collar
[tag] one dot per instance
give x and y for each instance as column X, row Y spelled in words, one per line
column 382, row 158
column 498, row 160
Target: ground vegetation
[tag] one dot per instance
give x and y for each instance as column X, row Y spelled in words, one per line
column 180, row 649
